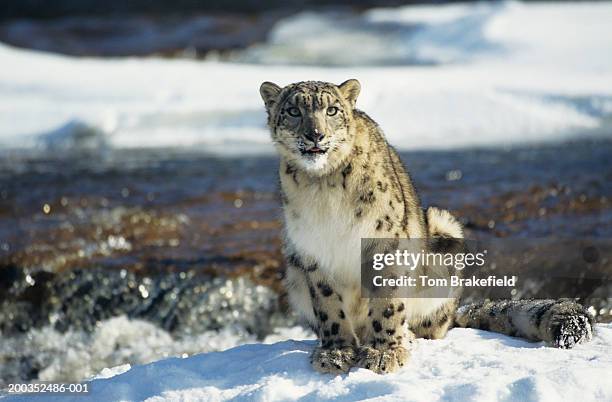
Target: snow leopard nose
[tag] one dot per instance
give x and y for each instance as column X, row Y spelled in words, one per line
column 314, row 136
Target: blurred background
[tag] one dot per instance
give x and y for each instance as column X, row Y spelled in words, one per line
column 139, row 215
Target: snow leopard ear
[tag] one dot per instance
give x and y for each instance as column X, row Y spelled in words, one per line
column 350, row 90
column 269, row 93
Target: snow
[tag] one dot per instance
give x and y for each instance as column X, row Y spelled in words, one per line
column 433, row 77
column 467, row 365
column 114, row 345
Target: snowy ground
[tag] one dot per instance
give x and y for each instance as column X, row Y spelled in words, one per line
column 467, row 365
column 432, row 76
column 76, row 355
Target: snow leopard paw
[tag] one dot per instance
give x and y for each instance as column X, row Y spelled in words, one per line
column 333, row 361
column 382, row 361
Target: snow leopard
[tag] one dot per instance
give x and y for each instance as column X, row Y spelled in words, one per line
column 340, row 182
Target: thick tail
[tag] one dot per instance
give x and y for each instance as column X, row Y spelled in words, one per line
column 560, row 323
column 442, row 224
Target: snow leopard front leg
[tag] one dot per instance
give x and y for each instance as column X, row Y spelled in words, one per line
column 384, row 332
column 383, row 348
column 321, row 302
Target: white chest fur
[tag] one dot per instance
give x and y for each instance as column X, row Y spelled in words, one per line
column 321, row 223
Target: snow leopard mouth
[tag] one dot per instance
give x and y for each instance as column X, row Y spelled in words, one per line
column 314, row 151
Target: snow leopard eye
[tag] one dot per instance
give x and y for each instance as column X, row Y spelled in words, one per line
column 294, row 112
column 332, row 111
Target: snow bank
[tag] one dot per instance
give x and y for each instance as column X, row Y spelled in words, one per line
column 467, row 365
column 455, row 75
column 76, row 355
